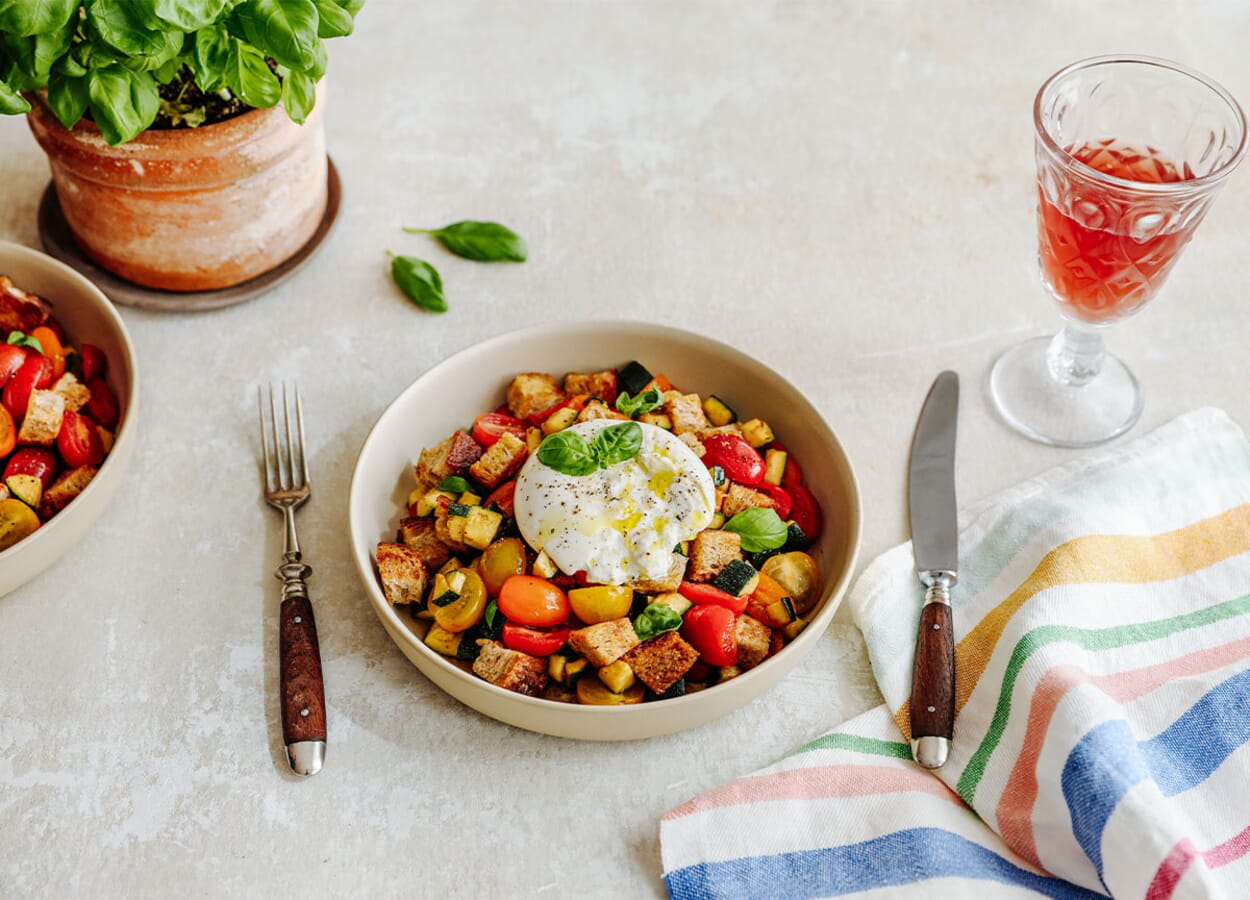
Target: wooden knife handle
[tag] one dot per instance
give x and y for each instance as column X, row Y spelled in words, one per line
column 303, row 693
column 933, row 675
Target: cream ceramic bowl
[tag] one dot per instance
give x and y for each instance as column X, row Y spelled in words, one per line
column 449, row 395
column 89, row 317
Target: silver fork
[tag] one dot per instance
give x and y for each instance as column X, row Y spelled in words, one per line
column 286, row 488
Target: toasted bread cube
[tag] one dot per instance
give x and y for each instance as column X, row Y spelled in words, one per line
column 600, row 384
column 500, row 462
column 64, row 489
column 481, row 526
column 731, row 428
column 19, row 309
column 670, row 582
column 45, row 411
column 420, row 535
column 559, row 420
column 659, row 662
column 451, row 457
column 403, row 574
column 686, row 412
column 510, row 669
column 617, row 677
column 533, row 392
column 757, row 432
column 741, row 497
column 606, row 642
column 76, row 393
column 692, row 440
column 754, row 639
column 712, row 551
column 597, row 409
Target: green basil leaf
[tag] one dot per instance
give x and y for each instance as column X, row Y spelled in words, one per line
column 617, row 443
column 760, row 529
column 299, row 95
column 18, row 339
column 27, row 17
column 352, row 6
column 567, row 452
column 210, row 58
column 643, row 403
column 283, row 29
column 479, row 241
column 122, row 24
column 249, row 76
column 68, row 98
column 657, row 618
column 188, row 15
column 419, row 281
column 123, row 103
column 332, row 19
column 11, row 102
column 70, row 67
column 455, row 484
column 492, row 610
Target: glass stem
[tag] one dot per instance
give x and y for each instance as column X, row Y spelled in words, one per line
column 1075, row 354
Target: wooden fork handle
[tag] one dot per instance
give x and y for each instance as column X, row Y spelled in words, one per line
column 303, row 691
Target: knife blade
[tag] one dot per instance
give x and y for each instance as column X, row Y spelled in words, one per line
column 932, row 511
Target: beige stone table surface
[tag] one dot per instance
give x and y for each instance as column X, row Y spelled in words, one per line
column 845, row 190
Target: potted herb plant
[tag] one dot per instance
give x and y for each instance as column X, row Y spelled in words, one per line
column 184, row 136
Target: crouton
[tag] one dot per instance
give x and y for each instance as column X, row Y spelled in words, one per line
column 450, row 533
column 45, row 410
column 600, row 384
column 65, row 489
column 533, row 392
column 76, row 393
column 501, row 461
column 19, row 309
column 659, row 662
column 403, row 575
column 452, row 457
column 691, row 440
column 420, row 535
column 686, row 412
column 668, row 583
column 606, row 642
column 711, row 551
column 597, row 409
column 510, row 669
column 754, row 640
column 741, row 497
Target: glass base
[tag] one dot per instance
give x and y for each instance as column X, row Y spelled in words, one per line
column 1041, row 407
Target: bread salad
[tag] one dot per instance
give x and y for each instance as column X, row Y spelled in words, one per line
column 57, row 414
column 606, row 541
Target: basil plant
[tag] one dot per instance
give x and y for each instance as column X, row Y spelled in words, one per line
column 111, row 58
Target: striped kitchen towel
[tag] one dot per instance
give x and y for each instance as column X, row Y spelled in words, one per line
column 1102, row 745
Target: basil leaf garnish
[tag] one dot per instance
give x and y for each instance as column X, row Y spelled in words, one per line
column 617, row 443
column 642, row 403
column 479, row 241
column 760, row 529
column 656, row 619
column 492, row 610
column 419, row 281
column 567, row 452
column 454, row 484
column 18, row 339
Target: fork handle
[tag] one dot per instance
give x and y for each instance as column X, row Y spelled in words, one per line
column 303, row 691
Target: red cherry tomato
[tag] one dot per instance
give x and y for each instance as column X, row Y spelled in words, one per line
column 94, row 363
column 781, row 500
column 102, row 407
column 488, row 427
column 8, row 433
column 35, row 373
column 534, row 641
column 79, row 441
column 502, row 497
column 537, row 419
column 529, row 600
column 38, row 461
column 707, row 595
column 806, row 511
column 11, row 359
column 710, row 630
column 739, row 459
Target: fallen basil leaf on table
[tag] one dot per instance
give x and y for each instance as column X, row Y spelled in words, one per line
column 479, row 241
column 419, row 281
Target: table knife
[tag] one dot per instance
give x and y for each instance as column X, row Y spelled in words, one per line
column 935, row 540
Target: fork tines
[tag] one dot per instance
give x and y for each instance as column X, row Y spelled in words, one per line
column 286, row 469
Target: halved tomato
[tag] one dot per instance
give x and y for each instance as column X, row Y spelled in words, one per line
column 11, row 359
column 534, row 641
column 102, row 406
column 35, row 374
column 488, row 427
column 94, row 363
column 8, row 432
column 38, row 461
column 79, row 441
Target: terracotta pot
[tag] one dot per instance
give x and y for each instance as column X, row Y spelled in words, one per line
column 190, row 209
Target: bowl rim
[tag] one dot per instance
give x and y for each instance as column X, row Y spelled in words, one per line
column 393, row 624
column 124, row 435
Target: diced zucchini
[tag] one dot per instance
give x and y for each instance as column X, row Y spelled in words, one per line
column 757, row 432
column 27, row 488
column 481, row 527
column 456, row 580
column 792, row 630
column 777, row 614
column 557, row 666
column 775, row 466
column 738, row 578
column 446, row 598
column 658, row 419
column 533, row 437
column 443, row 641
column 727, row 672
column 457, row 509
column 676, row 689
column 543, row 565
column 450, row 566
column 429, row 501
column 718, row 411
column 795, row 539
column 560, row 420
column 674, row 601
column 683, row 548
column 718, row 519
column 618, row 676
column 593, row 692
column 575, row 669
column 633, row 378
column 468, row 498
column 718, row 475
column 455, row 527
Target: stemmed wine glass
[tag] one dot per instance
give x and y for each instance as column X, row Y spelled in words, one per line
column 1131, row 151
